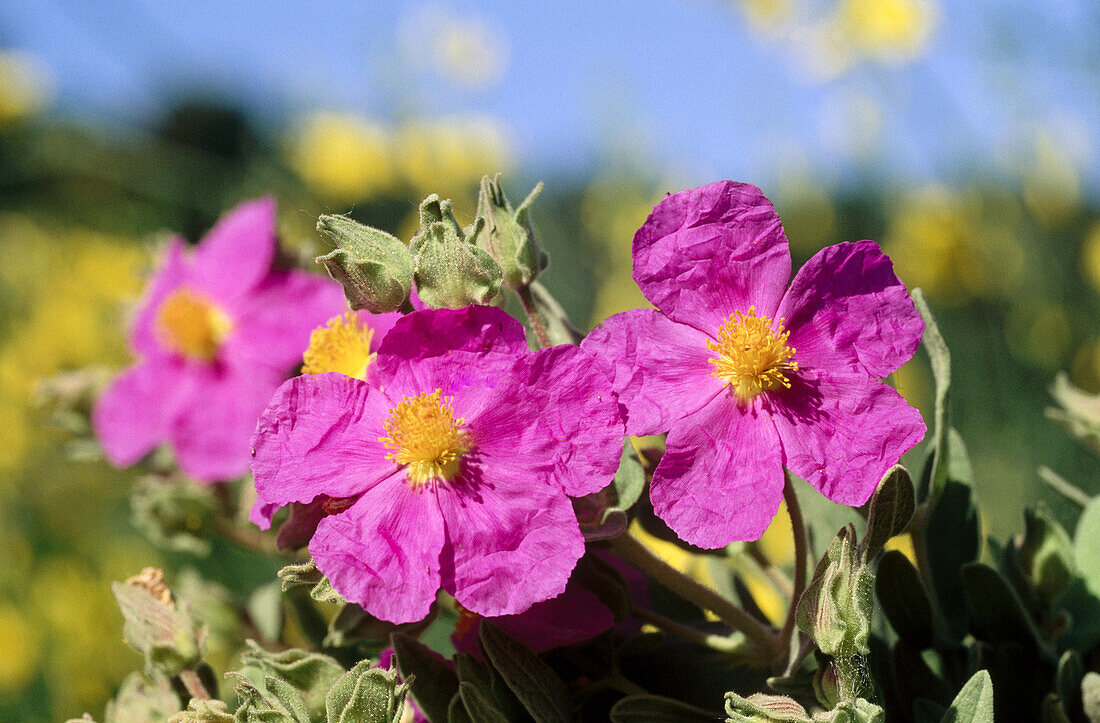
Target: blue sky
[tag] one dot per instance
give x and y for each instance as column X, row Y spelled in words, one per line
column 680, row 84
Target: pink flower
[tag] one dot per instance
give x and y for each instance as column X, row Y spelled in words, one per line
column 218, row 330
column 447, row 468
column 747, row 375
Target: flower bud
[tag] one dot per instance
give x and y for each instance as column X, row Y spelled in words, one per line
column 374, row 267
column 509, row 237
column 451, row 270
column 836, row 607
column 763, row 708
column 155, row 626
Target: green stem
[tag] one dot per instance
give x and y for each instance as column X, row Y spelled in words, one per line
column 537, row 326
column 639, row 556
column 718, row 642
column 798, row 530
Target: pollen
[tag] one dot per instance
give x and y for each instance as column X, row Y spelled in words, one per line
column 753, row 356
column 341, row 345
column 191, row 325
column 424, row 435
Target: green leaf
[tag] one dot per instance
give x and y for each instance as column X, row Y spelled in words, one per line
column 1047, row 555
column 927, row 711
column 288, row 697
column 629, row 479
column 257, row 706
column 311, row 674
column 997, row 612
column 306, row 573
column 265, row 609
column 456, row 711
column 940, row 359
column 535, row 684
column 433, row 682
column 904, row 600
column 655, row 709
column 974, row 703
column 1086, row 546
column 140, row 699
column 366, row 694
column 953, row 535
column 479, row 708
column 892, row 508
column 198, row 711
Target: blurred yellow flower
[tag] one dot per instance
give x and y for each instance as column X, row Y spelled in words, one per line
column 888, row 30
column 1038, row 332
column 1090, row 256
column 1052, row 184
column 468, row 50
column 24, row 86
column 343, row 156
column 20, row 649
column 450, row 155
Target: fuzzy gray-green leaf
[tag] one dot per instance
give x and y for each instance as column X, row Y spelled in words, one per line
column 974, row 703
column 534, row 683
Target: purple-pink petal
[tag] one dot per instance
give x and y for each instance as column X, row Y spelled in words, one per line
column 661, row 369
column 511, row 541
column 273, row 325
column 169, row 276
column 383, row 552
column 211, row 432
column 841, row 431
column 437, row 332
column 580, row 412
column 137, row 412
column 847, row 310
column 236, row 254
column 721, row 477
column 319, row 435
column 706, row 252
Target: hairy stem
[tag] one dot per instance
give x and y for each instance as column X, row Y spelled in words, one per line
column 639, row 556
column 537, row 326
column 798, row 530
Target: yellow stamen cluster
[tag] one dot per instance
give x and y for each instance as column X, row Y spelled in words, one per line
column 424, row 434
column 341, row 345
column 190, row 324
column 752, row 356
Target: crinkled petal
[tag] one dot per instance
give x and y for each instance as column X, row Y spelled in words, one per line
column 706, row 252
column 661, row 369
column 169, row 276
column 236, row 254
column 846, row 309
column 273, row 327
column 578, row 409
column 511, row 540
column 841, row 431
column 383, row 551
column 721, row 477
column 437, row 332
column 137, row 411
column 210, row 435
column 319, row 435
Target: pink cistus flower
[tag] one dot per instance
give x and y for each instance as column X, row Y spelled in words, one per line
column 216, row 334
column 448, row 467
column 747, row 375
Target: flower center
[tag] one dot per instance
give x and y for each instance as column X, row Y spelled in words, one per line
column 424, row 434
column 752, row 356
column 191, row 325
column 341, row 345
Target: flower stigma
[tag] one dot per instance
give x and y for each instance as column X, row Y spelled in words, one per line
column 752, row 356
column 342, row 345
column 191, row 325
column 424, row 435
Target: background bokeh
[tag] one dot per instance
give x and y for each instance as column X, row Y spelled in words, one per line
column 960, row 135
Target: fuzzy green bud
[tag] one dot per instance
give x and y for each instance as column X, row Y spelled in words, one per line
column 836, row 607
column 509, row 237
column 452, row 271
column 162, row 632
column 374, row 267
column 763, row 708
